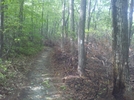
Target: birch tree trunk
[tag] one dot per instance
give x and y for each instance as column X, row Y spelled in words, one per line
column 120, row 48
column 81, row 36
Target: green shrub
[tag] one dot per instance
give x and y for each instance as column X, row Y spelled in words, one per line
column 30, row 49
column 3, row 70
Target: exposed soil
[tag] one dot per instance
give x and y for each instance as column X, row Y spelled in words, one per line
column 41, row 83
column 53, row 75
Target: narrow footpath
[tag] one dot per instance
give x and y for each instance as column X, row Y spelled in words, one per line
column 41, row 85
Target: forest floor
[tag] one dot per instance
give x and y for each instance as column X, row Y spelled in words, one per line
column 97, row 84
column 39, row 83
column 52, row 75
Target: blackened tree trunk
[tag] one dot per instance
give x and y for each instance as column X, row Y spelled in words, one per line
column 81, row 36
column 1, row 26
column 120, row 48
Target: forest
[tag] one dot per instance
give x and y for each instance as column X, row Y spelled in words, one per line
column 66, row 50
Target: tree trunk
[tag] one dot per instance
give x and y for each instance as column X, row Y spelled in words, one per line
column 32, row 21
column 21, row 15
column 67, row 23
column 130, row 21
column 1, row 27
column 88, row 23
column 72, row 27
column 94, row 17
column 89, row 17
column 63, row 25
column 81, row 36
column 42, row 28
column 120, row 48
column 47, row 26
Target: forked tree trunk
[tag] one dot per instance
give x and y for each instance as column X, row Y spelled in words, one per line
column 120, row 48
column 81, row 36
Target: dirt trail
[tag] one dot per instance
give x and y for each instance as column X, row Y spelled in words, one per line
column 41, row 85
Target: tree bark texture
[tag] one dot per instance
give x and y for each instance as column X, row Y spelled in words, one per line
column 81, row 36
column 120, row 47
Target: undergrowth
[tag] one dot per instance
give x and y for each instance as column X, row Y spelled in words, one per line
column 97, row 83
column 4, row 75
